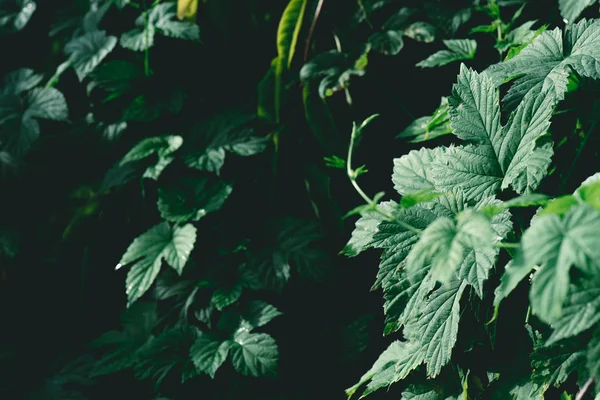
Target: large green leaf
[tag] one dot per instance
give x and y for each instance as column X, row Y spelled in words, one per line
column 366, row 227
column 161, row 146
column 147, row 251
column 254, row 354
column 288, row 32
column 498, row 157
column 208, row 353
column 556, row 245
column 191, row 199
column 543, row 67
column 86, row 52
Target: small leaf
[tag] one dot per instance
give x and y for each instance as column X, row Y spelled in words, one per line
column 458, row 49
column 147, row 251
column 208, row 353
column 259, row 313
column 254, row 354
column 162, row 146
column 387, row 42
column 87, row 52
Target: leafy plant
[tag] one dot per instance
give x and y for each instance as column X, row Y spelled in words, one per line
column 442, row 253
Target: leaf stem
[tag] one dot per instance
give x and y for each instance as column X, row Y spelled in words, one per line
column 312, row 29
column 584, row 389
column 352, row 175
column 577, row 155
column 503, row 245
column 364, row 10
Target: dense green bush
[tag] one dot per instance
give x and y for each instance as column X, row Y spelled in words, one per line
column 175, row 214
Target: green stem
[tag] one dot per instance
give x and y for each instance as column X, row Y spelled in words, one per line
column 577, row 155
column 503, row 245
column 584, row 389
column 352, row 176
column 146, row 42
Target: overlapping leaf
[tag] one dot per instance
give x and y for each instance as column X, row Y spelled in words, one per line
column 147, row 252
column 458, row 49
column 543, row 67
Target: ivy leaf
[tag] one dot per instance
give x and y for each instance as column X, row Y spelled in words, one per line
column 162, row 18
column 15, row 14
column 544, row 65
column 254, row 354
column 225, row 132
column 86, row 52
column 581, row 312
column 147, row 251
column 120, row 348
column 558, row 244
column 570, row 10
column 191, row 199
column 335, row 69
column 429, row 127
column 19, row 114
column 208, row 353
column 259, row 313
column 162, row 146
column 498, row 157
column 458, row 49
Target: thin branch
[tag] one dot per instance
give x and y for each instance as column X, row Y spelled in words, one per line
column 312, row 28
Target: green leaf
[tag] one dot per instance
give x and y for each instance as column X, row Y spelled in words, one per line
column 208, row 353
column 19, row 113
column 289, row 30
column 445, row 243
column 120, row 348
column 558, row 244
column 224, row 297
column 421, row 32
column 581, row 312
column 552, row 365
column 19, row 81
column 162, row 146
column 399, row 356
column 164, row 353
column 254, row 354
column 429, row 127
column 147, row 251
column 518, row 36
column 335, row 69
column 545, row 64
column 593, row 356
column 15, row 14
column 366, row 227
column 571, row 9
column 117, row 77
column 86, row 52
column 498, row 157
column 412, row 172
column 259, row 313
column 437, row 328
column 191, row 199
column 387, row 42
column 225, row 132
column 458, row 49
column 162, row 18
